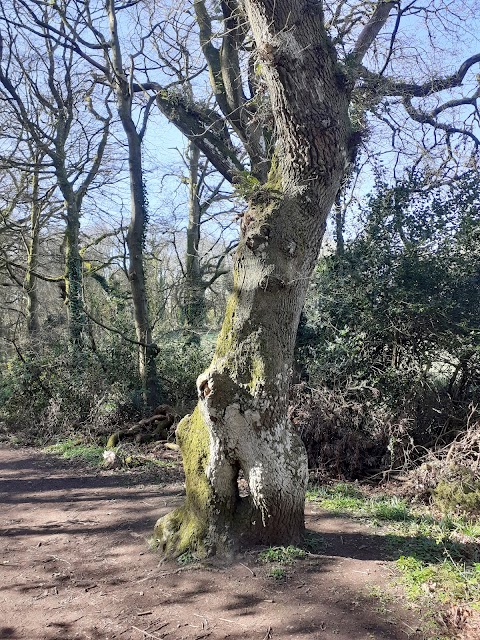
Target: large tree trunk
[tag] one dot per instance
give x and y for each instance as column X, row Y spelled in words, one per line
column 241, row 421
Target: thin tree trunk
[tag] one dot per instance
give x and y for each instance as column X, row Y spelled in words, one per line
column 136, row 273
column 32, row 258
column 74, row 279
column 194, row 294
column 339, row 225
column 138, row 221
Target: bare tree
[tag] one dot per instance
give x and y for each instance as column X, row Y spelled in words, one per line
column 47, row 110
column 26, row 208
column 81, row 32
column 210, row 207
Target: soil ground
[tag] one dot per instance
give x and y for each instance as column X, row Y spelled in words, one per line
column 74, row 564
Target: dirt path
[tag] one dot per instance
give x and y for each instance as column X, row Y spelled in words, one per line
column 74, row 564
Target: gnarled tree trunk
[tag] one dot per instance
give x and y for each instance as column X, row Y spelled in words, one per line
column 241, row 421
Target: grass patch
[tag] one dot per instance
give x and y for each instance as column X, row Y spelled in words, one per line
column 314, row 543
column 341, row 497
column 347, row 498
column 277, row 573
column 382, row 598
column 71, row 449
column 126, row 457
column 438, row 558
column 281, row 555
column 280, row 558
column 448, row 582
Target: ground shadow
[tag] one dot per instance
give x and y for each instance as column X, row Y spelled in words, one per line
column 387, row 545
column 103, row 565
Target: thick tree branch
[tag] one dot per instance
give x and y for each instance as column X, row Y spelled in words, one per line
column 203, row 127
column 389, row 87
column 372, row 29
column 428, row 118
column 226, row 79
column 212, row 55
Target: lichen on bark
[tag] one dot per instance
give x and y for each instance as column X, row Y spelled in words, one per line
column 225, row 338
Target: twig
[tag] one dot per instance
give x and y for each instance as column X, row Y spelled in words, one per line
column 204, row 620
column 61, row 560
column 409, row 627
column 244, row 565
column 231, row 621
column 268, row 635
column 357, row 571
column 144, row 613
column 147, row 633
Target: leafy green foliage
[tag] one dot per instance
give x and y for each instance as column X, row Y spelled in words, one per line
column 459, row 495
column 277, row 573
column 52, row 391
column 180, row 364
column 187, row 558
column 280, row 558
column 391, row 331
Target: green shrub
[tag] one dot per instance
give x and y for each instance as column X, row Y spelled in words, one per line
column 389, row 340
column 180, row 362
column 459, row 494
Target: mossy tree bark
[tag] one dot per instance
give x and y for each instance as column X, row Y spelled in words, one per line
column 241, row 421
column 77, row 320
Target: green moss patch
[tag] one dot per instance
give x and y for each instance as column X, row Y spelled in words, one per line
column 185, row 529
